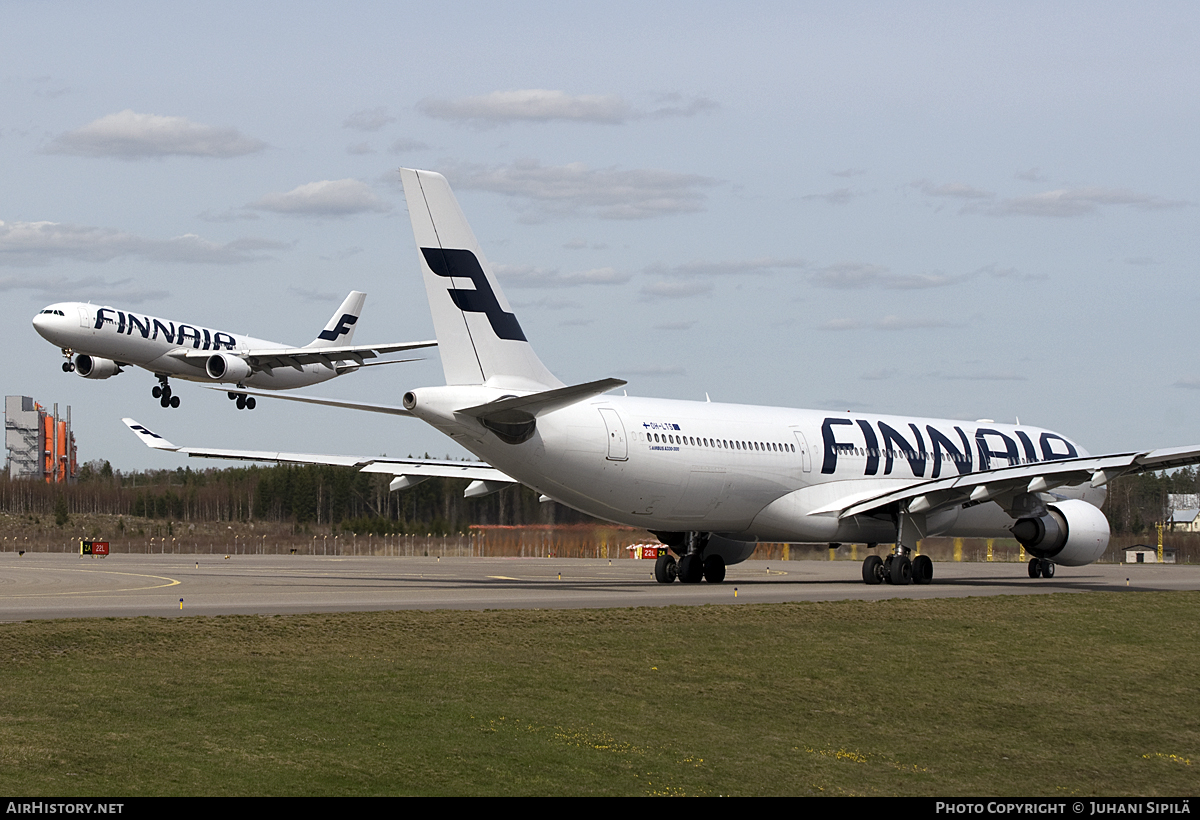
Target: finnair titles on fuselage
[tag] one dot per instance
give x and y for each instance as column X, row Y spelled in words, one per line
column 99, row 341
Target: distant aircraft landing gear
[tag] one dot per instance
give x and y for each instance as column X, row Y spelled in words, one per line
column 1041, row 568
column 69, row 364
column 162, row 392
column 244, row 402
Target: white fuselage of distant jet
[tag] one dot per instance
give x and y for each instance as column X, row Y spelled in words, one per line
column 148, row 342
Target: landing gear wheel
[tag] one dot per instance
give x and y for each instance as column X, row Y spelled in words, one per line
column 68, row 367
column 241, row 402
column 157, row 392
column 714, row 569
column 250, row 402
column 922, row 569
column 1047, row 568
column 665, row 569
column 691, row 568
column 873, row 570
column 1035, row 568
column 901, row 570
column 173, row 401
column 887, row 569
column 164, row 402
column 232, row 396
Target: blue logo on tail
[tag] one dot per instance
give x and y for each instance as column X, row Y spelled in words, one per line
column 340, row 329
column 460, row 263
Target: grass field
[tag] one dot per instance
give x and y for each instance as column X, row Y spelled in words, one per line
column 1053, row 695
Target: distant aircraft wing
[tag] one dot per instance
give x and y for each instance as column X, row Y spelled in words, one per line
column 484, row 475
column 975, row 488
column 296, row 357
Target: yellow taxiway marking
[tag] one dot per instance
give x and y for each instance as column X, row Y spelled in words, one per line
column 170, row 583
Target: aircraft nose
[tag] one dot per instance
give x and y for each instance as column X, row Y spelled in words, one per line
column 44, row 324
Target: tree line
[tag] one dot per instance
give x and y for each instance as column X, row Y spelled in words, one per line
column 318, row 495
column 342, row 497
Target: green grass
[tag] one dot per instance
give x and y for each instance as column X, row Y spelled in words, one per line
column 1033, row 695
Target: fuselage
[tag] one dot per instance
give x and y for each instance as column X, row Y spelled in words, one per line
column 749, row 472
column 130, row 338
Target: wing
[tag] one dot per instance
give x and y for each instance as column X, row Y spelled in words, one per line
column 408, row 471
column 1005, row 483
column 269, row 358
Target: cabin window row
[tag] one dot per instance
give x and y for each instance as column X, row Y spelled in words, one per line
column 721, row 444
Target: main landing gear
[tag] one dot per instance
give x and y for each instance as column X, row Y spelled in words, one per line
column 244, row 402
column 692, row 565
column 1041, row 568
column 162, row 392
column 901, row 567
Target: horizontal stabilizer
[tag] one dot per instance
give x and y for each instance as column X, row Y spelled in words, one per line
column 535, row 404
column 390, row 409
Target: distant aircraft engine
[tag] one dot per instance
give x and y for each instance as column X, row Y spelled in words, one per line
column 1072, row 533
column 222, row 367
column 93, row 367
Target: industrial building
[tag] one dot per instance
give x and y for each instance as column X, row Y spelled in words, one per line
column 40, row 444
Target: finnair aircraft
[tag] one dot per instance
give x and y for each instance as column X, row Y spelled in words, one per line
column 711, row 480
column 99, row 341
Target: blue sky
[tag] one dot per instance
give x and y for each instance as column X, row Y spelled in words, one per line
column 948, row 209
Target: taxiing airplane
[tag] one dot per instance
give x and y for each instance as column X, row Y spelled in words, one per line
column 711, row 480
column 99, row 341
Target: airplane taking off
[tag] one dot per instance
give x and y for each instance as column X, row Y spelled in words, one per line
column 711, row 480
column 99, row 341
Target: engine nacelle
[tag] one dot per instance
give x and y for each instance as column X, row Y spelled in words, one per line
column 94, row 367
column 1072, row 533
column 221, row 367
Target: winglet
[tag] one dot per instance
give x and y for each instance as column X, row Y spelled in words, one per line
column 149, row 438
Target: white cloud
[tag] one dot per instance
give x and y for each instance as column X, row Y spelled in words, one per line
column 531, row 104
column 956, row 190
column 762, row 265
column 841, row 196
column 403, row 145
column 890, row 322
column 27, row 244
column 124, row 291
column 516, row 276
column 341, row 197
column 679, row 289
column 568, row 190
column 858, row 275
column 1067, row 202
column 368, row 119
column 546, row 105
column 129, row 135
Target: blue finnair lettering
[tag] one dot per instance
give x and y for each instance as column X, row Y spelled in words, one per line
column 458, row 263
column 340, row 329
column 878, row 440
column 149, row 327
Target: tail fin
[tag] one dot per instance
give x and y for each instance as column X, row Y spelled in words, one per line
column 479, row 338
column 340, row 328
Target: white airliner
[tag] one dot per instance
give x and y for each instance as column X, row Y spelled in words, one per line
column 99, row 341
column 713, row 479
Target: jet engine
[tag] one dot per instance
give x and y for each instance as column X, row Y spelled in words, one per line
column 93, row 367
column 222, row 367
column 1072, row 533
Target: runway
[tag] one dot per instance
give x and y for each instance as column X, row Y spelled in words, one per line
column 57, row 585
